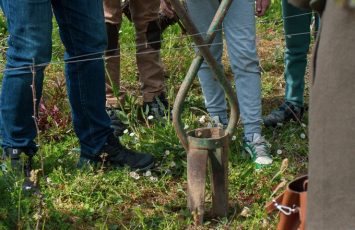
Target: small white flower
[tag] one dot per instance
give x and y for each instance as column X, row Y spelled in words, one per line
column 279, row 151
column 150, row 117
column 234, row 138
column 148, row 173
column 154, row 179
column 202, row 119
column 131, row 134
column 134, row 175
column 303, row 125
column 167, row 152
column 245, row 212
column 167, row 171
column 303, row 136
column 49, row 181
column 125, row 131
column 186, row 126
column 120, row 31
column 265, row 224
column 60, row 161
column 173, row 164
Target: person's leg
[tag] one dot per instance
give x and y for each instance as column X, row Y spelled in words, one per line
column 239, row 27
column 213, row 92
column 82, row 31
column 30, row 28
column 331, row 196
column 113, row 18
column 240, row 32
column 145, row 16
column 297, row 35
column 297, row 38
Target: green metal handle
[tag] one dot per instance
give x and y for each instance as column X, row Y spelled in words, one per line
column 204, row 53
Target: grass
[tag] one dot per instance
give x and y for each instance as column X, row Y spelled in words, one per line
column 100, row 199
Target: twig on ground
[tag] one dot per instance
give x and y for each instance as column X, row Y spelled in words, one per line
column 35, row 114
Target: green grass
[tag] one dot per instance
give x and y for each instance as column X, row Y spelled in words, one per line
column 97, row 199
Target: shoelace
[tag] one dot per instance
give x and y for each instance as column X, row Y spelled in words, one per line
column 261, row 145
column 278, row 113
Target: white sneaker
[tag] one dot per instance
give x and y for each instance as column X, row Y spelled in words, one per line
column 259, row 151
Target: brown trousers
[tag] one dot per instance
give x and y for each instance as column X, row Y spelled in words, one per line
column 331, row 196
column 151, row 73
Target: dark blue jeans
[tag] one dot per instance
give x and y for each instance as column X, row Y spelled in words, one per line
column 82, row 31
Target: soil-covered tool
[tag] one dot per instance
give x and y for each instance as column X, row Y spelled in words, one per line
column 206, row 144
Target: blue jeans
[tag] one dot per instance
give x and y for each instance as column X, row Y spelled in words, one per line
column 82, row 31
column 239, row 31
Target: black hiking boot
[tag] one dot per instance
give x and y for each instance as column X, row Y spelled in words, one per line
column 158, row 108
column 286, row 112
column 21, row 164
column 116, row 155
column 116, row 124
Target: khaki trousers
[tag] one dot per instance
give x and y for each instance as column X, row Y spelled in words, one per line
column 331, row 196
column 150, row 69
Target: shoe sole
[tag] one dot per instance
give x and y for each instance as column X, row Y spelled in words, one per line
column 151, row 165
column 257, row 166
column 99, row 164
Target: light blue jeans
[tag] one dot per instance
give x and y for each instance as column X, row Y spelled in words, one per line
column 240, row 36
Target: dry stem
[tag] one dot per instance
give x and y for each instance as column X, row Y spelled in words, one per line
column 35, row 114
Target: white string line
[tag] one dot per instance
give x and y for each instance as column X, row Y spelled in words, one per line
column 187, row 36
column 101, row 57
column 119, row 55
column 70, row 60
column 190, row 35
column 297, row 15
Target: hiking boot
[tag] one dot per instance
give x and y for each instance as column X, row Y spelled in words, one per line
column 116, row 124
column 116, row 155
column 21, row 163
column 258, row 149
column 158, row 108
column 284, row 113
